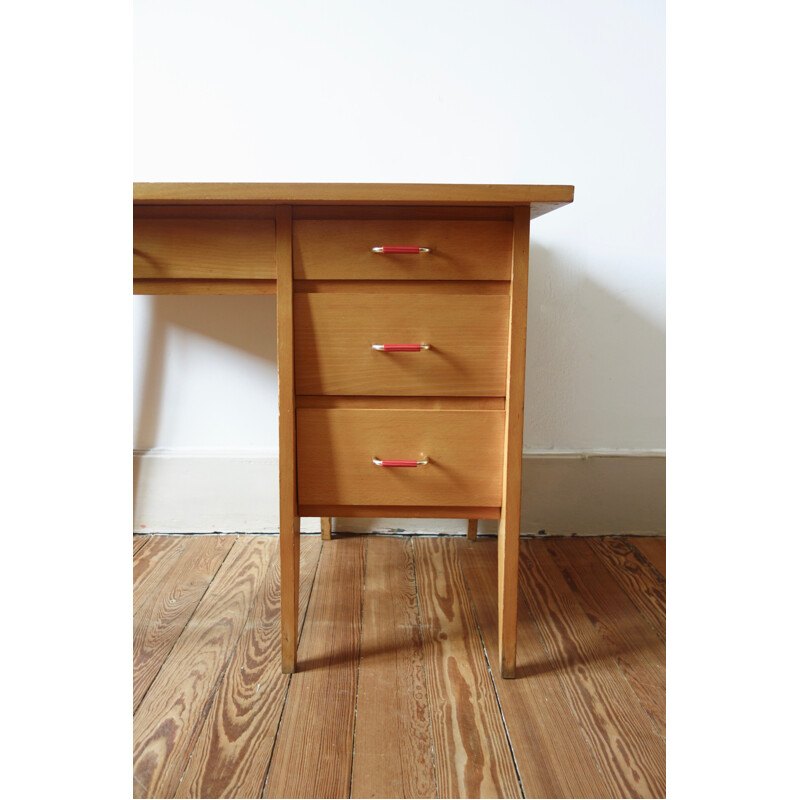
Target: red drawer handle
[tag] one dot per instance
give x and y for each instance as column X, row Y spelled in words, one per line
column 401, row 249
column 401, row 348
column 378, row 462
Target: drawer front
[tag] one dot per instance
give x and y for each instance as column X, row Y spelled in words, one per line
column 459, row 249
column 336, row 448
column 335, row 333
column 204, row 248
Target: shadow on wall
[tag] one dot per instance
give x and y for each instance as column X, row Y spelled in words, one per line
column 595, row 371
column 595, row 375
column 595, row 381
column 238, row 322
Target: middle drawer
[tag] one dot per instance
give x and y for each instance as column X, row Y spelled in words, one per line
column 336, row 334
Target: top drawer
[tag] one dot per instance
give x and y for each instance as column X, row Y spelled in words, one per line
column 203, row 248
column 330, row 249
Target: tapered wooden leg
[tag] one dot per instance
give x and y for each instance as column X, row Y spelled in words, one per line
column 289, row 520
column 507, row 591
column 508, row 529
column 325, row 523
column 472, row 529
column 290, row 589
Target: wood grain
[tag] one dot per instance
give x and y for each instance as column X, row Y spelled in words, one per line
column 166, row 725
column 626, row 748
column 325, row 527
column 540, row 198
column 204, row 248
column 641, row 582
column 467, row 334
column 152, row 562
column 459, row 250
column 336, row 447
column 313, row 751
column 376, row 401
column 654, row 549
column 470, row 746
column 233, row 750
column 472, row 529
column 392, row 755
column 184, row 211
column 549, row 748
column 508, row 527
column 416, row 512
column 568, row 700
column 139, row 541
column 287, row 467
column 205, row 287
column 161, row 619
column 401, row 212
column 401, row 287
column 640, row 654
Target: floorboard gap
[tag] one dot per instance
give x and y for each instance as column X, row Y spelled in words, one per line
column 557, row 673
column 212, row 695
column 611, row 655
column 491, row 676
column 289, row 682
column 358, row 668
column 424, row 667
column 191, row 616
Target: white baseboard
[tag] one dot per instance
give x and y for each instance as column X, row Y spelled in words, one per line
column 194, row 491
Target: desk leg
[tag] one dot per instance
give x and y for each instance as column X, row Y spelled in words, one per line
column 325, row 523
column 508, row 583
column 508, row 529
column 472, row 529
column 289, row 520
column 290, row 588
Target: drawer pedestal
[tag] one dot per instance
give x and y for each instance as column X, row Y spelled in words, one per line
column 421, row 310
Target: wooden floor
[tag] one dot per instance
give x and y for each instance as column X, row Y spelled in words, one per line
column 398, row 691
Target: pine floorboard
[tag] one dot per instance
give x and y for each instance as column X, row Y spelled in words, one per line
column 392, row 751
column 163, row 615
column 469, row 740
column 624, row 743
column 654, row 549
column 550, row 751
column 640, row 654
column 639, row 579
column 232, row 753
column 397, row 692
column 169, row 718
column 152, row 563
column 314, row 748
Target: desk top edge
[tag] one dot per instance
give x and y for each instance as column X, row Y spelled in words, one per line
column 541, row 198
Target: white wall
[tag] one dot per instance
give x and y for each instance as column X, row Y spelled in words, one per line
column 562, row 91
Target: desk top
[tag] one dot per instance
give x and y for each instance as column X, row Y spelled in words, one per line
column 540, row 198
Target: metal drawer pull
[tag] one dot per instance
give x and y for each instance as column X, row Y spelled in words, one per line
column 401, row 249
column 401, row 348
column 395, row 463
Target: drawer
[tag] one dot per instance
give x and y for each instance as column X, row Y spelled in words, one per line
column 336, row 448
column 335, row 333
column 459, row 249
column 204, row 248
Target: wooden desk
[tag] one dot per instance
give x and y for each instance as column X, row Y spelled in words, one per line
column 401, row 344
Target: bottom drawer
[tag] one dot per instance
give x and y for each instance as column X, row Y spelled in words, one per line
column 336, row 448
